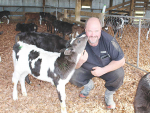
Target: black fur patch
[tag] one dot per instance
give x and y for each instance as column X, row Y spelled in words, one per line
column 142, row 97
column 16, row 48
column 55, row 79
column 33, row 55
column 46, row 41
column 36, row 70
column 64, row 65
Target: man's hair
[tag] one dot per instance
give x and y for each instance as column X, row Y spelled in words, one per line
column 88, row 19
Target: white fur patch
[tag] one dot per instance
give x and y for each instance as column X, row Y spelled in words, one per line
column 48, row 60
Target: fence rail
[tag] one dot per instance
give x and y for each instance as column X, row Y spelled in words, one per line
column 134, row 42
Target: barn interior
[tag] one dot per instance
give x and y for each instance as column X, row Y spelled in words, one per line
column 42, row 96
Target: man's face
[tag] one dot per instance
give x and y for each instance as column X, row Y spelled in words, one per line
column 93, row 31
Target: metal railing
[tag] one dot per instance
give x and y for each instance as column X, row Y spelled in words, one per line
column 134, row 42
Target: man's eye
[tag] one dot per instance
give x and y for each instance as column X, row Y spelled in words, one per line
column 78, row 41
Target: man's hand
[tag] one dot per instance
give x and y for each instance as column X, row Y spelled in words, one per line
column 83, row 59
column 113, row 65
column 97, row 71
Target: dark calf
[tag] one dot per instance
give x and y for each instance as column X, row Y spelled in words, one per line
column 48, row 19
column 26, row 27
column 142, row 97
column 62, row 27
column 46, row 41
column 60, row 15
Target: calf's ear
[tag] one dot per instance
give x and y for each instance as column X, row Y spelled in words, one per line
column 67, row 51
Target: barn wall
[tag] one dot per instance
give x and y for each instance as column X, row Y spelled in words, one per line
column 51, row 5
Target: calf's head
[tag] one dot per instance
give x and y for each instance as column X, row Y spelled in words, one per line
column 77, row 46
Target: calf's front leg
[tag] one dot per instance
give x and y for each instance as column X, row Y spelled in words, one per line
column 62, row 97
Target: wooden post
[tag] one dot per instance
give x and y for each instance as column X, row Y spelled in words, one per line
column 65, row 13
column 77, row 10
column 131, row 7
column 110, row 4
column 146, row 4
column 101, row 18
column 43, row 5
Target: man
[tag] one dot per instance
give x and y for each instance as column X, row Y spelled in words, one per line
column 102, row 58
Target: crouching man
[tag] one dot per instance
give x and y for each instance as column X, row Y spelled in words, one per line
column 102, row 58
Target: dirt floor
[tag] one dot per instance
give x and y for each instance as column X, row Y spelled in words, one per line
column 42, row 96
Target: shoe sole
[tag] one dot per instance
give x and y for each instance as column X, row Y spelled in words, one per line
column 82, row 96
column 111, row 107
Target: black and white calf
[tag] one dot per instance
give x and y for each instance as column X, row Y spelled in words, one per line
column 53, row 67
column 46, row 41
column 4, row 14
column 116, row 23
column 142, row 97
column 26, row 27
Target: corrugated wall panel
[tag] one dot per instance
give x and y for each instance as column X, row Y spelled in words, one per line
column 96, row 4
column 64, row 3
column 116, row 2
column 51, row 3
column 72, row 3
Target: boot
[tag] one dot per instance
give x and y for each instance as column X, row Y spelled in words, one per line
column 109, row 99
column 87, row 88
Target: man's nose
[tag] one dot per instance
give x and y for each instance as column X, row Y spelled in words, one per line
column 93, row 34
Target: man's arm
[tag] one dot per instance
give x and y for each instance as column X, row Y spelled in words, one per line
column 83, row 58
column 113, row 65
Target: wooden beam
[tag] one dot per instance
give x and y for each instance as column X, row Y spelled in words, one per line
column 139, row 4
column 17, row 13
column 139, row 8
column 139, row 14
column 77, row 10
column 73, row 21
column 83, row 13
column 119, row 11
column 116, row 6
column 131, row 7
column 140, row 0
column 126, row 8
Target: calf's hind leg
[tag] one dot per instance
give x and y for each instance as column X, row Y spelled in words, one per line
column 15, row 79
column 22, row 82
